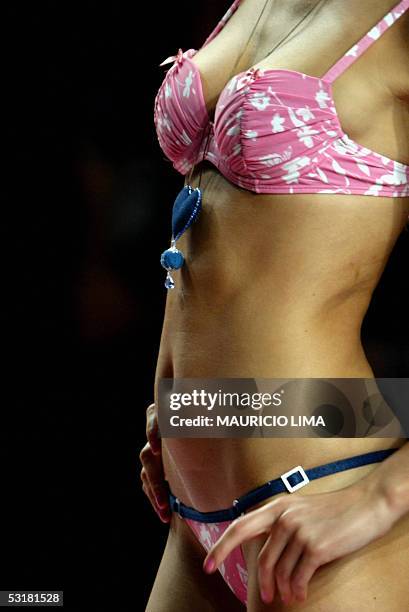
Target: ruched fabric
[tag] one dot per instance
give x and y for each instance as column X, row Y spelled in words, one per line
column 274, row 130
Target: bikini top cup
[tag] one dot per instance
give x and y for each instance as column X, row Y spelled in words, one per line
column 274, row 131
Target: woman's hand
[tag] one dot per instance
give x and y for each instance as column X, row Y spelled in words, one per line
column 152, row 469
column 305, row 532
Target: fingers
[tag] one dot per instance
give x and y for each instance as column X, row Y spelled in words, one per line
column 276, row 560
column 307, row 565
column 163, row 513
column 285, row 566
column 152, row 429
column 153, row 478
column 240, row 530
column 153, row 467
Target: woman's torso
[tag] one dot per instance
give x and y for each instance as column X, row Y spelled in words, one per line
column 278, row 285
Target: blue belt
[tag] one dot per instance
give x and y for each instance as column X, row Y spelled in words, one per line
column 291, row 481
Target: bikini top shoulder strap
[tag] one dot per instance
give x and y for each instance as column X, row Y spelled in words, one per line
column 222, row 22
column 366, row 41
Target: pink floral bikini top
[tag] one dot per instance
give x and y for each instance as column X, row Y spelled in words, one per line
column 274, row 131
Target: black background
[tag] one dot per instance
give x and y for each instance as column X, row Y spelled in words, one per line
column 86, row 215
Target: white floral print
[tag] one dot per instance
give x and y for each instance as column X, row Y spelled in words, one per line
column 337, row 168
column 363, row 168
column 250, row 134
column 389, row 19
column 305, row 135
column 277, row 123
column 322, row 175
column 397, row 177
column 260, row 101
column 374, row 33
column 231, row 86
column 188, row 84
column 272, row 159
column 353, row 51
column 185, row 138
column 292, row 168
column 294, row 119
column 305, row 113
column 234, row 130
column 205, row 536
column 322, row 98
column 242, row 573
column 373, row 190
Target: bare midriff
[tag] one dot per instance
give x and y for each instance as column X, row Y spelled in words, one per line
column 272, row 287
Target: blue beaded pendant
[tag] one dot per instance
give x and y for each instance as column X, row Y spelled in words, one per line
column 185, row 211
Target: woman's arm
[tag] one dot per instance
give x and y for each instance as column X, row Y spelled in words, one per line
column 307, row 531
